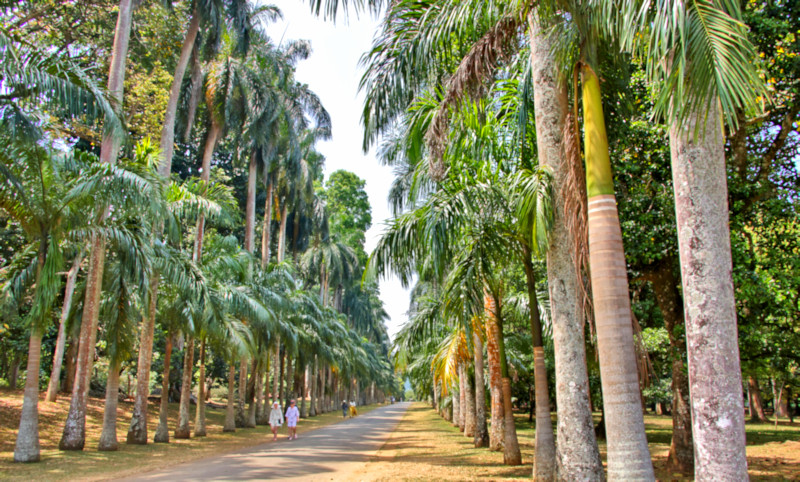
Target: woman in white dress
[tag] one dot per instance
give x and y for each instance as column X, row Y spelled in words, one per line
column 275, row 419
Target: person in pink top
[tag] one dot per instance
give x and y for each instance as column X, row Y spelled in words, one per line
column 292, row 416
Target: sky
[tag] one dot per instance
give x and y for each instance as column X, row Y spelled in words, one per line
column 333, row 73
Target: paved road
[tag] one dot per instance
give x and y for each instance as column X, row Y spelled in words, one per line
column 330, row 453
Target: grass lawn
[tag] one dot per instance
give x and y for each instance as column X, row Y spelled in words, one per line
column 130, row 459
column 426, row 447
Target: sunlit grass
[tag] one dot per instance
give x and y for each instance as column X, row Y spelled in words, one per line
column 426, row 447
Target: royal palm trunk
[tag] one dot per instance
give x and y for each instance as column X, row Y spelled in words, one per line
column 230, row 412
column 162, row 432
column 108, row 438
column 137, row 433
column 183, row 430
column 250, row 422
column 511, row 452
column 74, row 435
column 469, row 403
column 462, row 399
column 496, row 430
column 628, row 453
column 697, row 149
column 544, row 461
column 577, row 455
column 27, row 445
column 200, row 413
column 61, row 341
column 241, row 415
column 250, row 206
column 266, row 228
column 481, row 437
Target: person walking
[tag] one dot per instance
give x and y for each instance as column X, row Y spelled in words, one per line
column 292, row 415
column 353, row 411
column 275, row 419
column 344, row 408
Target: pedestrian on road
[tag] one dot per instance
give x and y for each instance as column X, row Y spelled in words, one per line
column 353, row 411
column 275, row 419
column 344, row 408
column 292, row 415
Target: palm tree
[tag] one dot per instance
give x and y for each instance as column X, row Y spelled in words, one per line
column 419, row 37
column 52, row 195
column 74, row 435
column 703, row 72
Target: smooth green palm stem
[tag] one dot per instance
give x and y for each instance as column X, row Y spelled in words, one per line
column 200, row 412
column 511, row 451
column 628, row 453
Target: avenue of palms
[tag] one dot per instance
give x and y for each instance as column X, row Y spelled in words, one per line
column 594, row 206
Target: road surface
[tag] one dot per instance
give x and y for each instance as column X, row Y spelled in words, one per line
column 329, row 453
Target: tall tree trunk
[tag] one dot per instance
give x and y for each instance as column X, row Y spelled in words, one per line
column 251, row 394
column 715, row 382
column 183, row 430
column 665, row 287
column 250, row 206
column 276, row 375
column 511, row 452
column 262, row 414
column 456, row 397
column 213, row 136
column 200, row 412
column 577, row 456
column 70, row 365
column 108, row 438
column 303, row 406
column 496, row 429
column 266, row 228
column 757, row 413
column 167, row 142
column 27, row 445
column 282, row 232
column 137, row 431
column 241, row 415
column 481, row 437
column 628, row 452
column 289, row 381
column 462, row 399
column 162, row 432
column 230, row 412
column 469, row 422
column 544, row 461
column 61, row 341
column 313, row 387
column 74, row 435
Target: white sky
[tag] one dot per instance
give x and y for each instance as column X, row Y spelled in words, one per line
column 332, row 72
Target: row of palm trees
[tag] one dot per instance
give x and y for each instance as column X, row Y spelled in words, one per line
column 129, row 222
column 437, row 100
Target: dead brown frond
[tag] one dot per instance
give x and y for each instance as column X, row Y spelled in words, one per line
column 575, row 211
column 475, row 70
